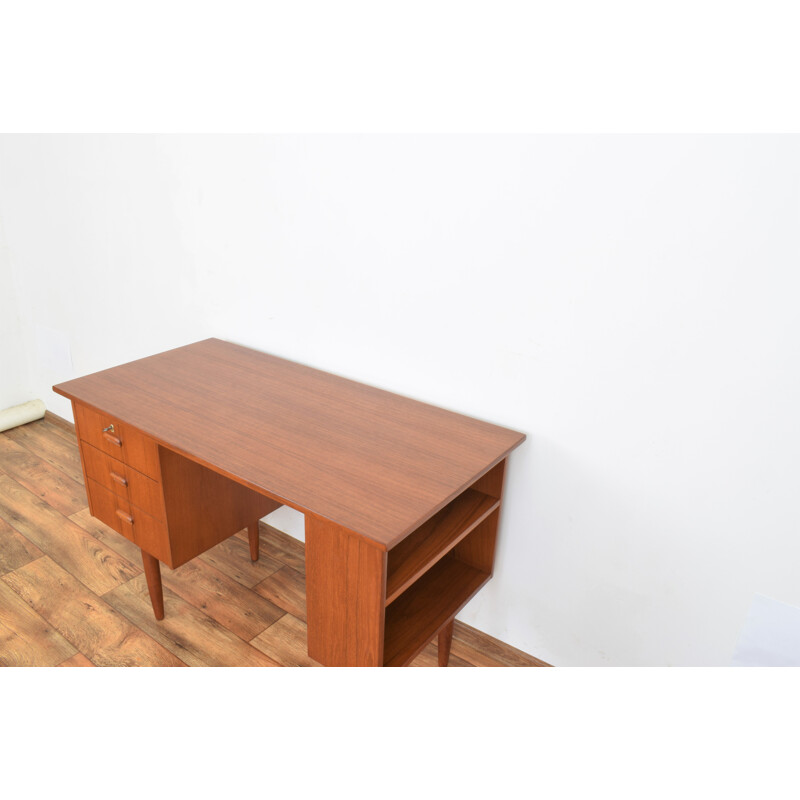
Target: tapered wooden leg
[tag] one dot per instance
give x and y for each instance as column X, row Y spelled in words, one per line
column 152, row 571
column 445, row 640
column 252, row 532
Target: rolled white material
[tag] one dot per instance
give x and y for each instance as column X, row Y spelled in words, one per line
column 19, row 415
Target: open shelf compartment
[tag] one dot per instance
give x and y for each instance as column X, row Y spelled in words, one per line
column 426, row 607
column 433, row 572
column 435, row 538
column 430, row 602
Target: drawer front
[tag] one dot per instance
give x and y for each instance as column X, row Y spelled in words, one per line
column 117, row 440
column 109, row 508
column 122, row 480
column 129, row 520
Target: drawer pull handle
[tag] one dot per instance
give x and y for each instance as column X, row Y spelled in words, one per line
column 115, row 440
column 125, row 517
column 118, row 478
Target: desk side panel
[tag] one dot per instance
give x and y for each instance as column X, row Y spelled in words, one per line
column 83, row 462
column 345, row 592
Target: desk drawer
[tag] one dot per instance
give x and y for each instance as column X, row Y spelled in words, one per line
column 123, row 481
column 129, row 520
column 105, row 506
column 117, row 440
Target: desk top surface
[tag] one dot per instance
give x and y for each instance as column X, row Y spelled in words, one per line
column 372, row 461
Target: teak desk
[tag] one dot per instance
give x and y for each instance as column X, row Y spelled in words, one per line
column 401, row 499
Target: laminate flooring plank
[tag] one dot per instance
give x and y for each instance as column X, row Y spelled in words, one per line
column 58, row 425
column 232, row 556
column 94, row 564
column 109, row 537
column 281, row 546
column 485, row 651
column 62, row 453
column 78, row 660
column 429, row 657
column 15, row 549
column 187, row 632
column 44, row 480
column 476, row 657
column 285, row 642
column 26, row 640
column 88, row 622
column 286, row 588
column 235, row 607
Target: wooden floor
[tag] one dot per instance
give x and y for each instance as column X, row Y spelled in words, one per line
column 73, row 594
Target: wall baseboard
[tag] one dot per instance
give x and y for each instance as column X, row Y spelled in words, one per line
column 59, row 422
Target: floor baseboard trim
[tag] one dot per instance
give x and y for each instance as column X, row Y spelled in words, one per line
column 59, row 422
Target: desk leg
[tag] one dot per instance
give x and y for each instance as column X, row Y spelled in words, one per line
column 252, row 532
column 152, row 572
column 445, row 640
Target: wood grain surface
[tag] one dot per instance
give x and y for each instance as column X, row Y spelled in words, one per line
column 429, row 657
column 49, row 442
column 40, row 477
column 78, row 660
column 287, row 589
column 109, row 537
column 365, row 459
column 284, row 643
column 233, row 558
column 25, row 638
column 94, row 564
column 203, row 507
column 222, row 598
column 445, row 642
column 124, row 481
column 123, row 441
column 186, row 631
column 345, row 590
column 434, row 539
column 91, row 606
column 15, row 549
column 420, row 613
column 103, row 635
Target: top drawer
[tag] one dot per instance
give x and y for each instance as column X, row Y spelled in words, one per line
column 117, row 439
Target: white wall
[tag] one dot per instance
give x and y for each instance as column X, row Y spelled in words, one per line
column 628, row 302
column 15, row 386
